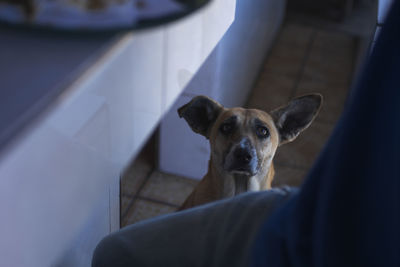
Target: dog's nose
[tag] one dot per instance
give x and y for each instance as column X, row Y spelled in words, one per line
column 243, row 155
column 242, row 158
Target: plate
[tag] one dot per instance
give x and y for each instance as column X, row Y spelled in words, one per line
column 95, row 15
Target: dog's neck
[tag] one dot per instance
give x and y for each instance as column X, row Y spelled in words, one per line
column 241, row 183
column 232, row 185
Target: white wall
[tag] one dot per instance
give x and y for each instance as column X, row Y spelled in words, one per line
column 227, row 76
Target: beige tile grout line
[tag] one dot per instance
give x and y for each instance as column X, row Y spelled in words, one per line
column 135, row 197
column 147, row 176
column 157, row 201
column 138, row 197
column 301, row 72
column 303, row 64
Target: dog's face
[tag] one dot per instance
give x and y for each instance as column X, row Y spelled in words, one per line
column 243, row 141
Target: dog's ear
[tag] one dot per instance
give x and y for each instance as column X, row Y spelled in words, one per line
column 296, row 116
column 201, row 113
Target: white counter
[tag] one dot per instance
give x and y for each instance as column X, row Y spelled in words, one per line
column 59, row 181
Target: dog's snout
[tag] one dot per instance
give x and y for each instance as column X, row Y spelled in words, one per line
column 243, row 155
column 242, row 158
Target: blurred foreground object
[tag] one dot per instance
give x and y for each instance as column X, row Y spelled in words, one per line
column 95, row 15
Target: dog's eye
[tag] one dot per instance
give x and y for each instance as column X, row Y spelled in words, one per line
column 226, row 128
column 262, row 131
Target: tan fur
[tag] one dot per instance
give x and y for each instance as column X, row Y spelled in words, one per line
column 209, row 189
column 218, row 183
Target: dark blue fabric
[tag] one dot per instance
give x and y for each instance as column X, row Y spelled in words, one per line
column 347, row 212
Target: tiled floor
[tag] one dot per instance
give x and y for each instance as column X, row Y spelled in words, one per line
column 309, row 60
column 304, row 59
column 146, row 192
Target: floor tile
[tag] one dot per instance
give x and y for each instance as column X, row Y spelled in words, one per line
column 271, row 91
column 334, row 97
column 331, row 41
column 287, row 176
column 361, row 22
column 331, row 58
column 295, row 34
column 134, row 177
column 284, row 59
column 168, row 188
column 289, row 50
column 302, row 152
column 319, row 68
column 143, row 209
column 125, row 203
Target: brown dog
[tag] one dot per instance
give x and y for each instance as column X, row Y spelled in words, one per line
column 243, row 143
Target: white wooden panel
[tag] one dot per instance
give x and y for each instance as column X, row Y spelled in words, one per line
column 84, row 118
column 217, row 17
column 179, row 154
column 244, row 46
column 80, row 250
column 60, row 185
column 114, row 84
column 49, row 187
column 204, row 82
column 147, row 81
column 130, row 84
column 190, row 41
column 183, row 50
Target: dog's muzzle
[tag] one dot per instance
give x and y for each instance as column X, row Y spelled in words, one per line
column 242, row 158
